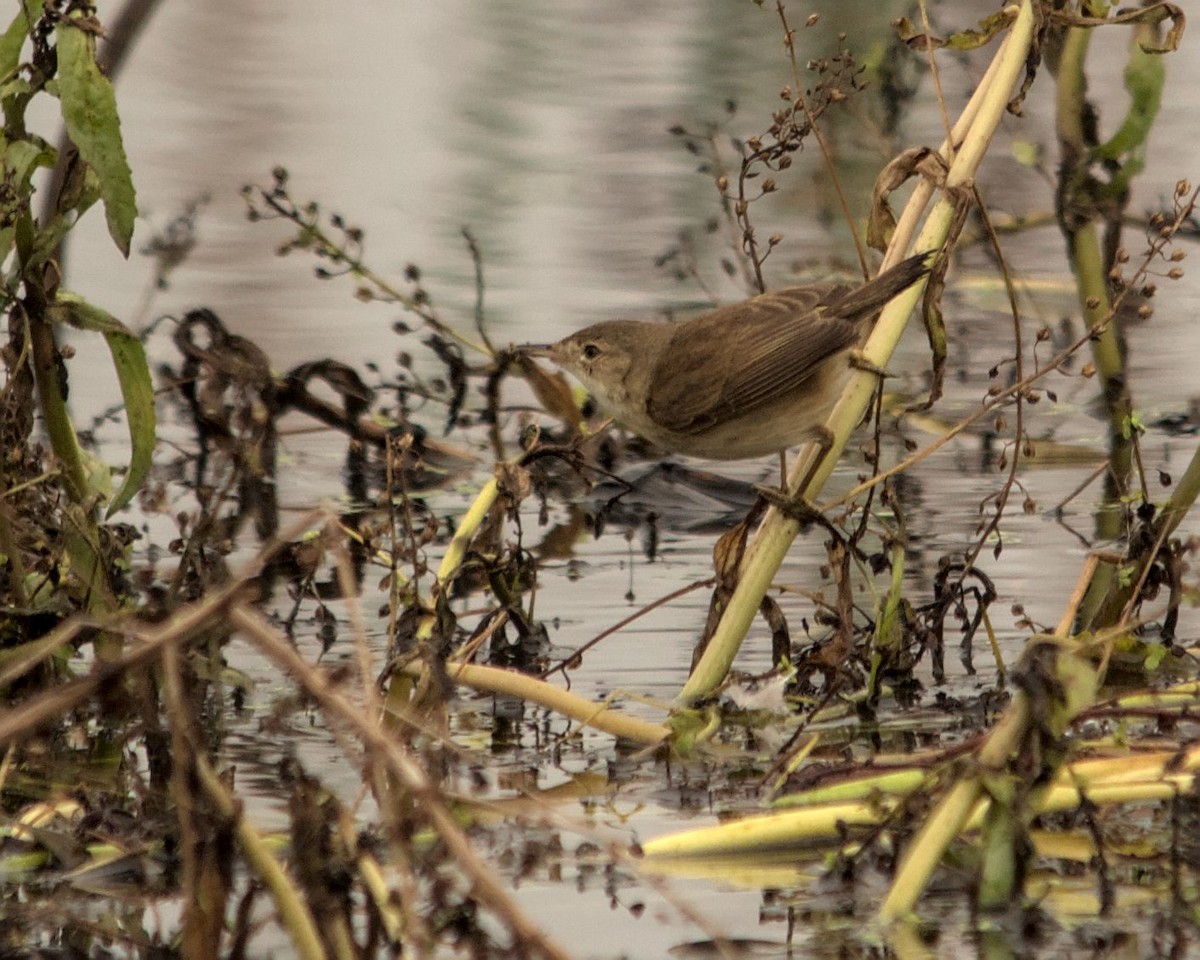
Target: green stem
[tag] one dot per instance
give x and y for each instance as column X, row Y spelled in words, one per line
column 81, row 534
column 57, row 419
column 1077, row 213
column 1187, row 489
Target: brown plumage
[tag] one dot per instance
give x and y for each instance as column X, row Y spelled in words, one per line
column 740, row 381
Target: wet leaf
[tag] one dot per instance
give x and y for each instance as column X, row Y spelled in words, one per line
column 89, row 110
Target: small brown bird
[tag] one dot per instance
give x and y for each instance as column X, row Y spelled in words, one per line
column 740, row 381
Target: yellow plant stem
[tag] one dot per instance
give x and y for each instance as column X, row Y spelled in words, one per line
column 869, row 801
column 775, row 831
column 469, row 526
column 777, row 530
column 585, row 712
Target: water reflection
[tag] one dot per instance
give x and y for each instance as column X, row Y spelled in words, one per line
column 544, row 127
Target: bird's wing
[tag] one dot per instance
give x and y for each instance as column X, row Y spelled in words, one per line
column 750, row 353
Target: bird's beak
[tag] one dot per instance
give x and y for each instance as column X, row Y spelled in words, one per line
column 540, row 351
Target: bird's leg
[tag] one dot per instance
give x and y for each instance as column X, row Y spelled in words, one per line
column 796, row 505
column 823, row 438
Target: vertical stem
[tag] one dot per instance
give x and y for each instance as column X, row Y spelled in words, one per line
column 777, row 531
column 46, row 368
column 80, row 530
column 1078, row 211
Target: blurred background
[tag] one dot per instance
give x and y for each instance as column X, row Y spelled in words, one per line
column 541, row 126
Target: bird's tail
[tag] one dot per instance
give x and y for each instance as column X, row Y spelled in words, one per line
column 859, row 303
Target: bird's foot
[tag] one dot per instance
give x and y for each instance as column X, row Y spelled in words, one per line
column 859, row 361
column 793, row 506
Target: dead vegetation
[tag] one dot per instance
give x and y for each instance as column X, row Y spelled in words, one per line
column 119, row 659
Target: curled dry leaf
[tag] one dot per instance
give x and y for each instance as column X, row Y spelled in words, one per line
column 514, row 481
column 918, row 161
column 989, row 27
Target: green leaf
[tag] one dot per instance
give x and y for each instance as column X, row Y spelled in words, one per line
column 34, row 10
column 89, row 110
column 133, row 372
column 22, row 159
column 78, row 194
column 11, row 43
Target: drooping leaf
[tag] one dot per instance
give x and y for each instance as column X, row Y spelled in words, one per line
column 914, row 162
column 137, row 390
column 989, row 28
column 89, row 110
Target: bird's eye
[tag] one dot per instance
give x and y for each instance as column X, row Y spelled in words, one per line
column 590, row 351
